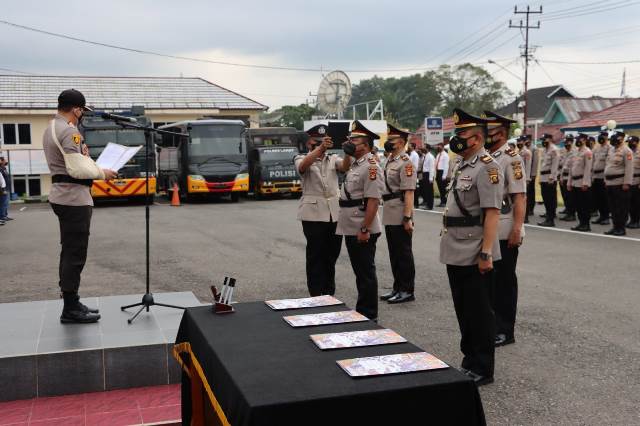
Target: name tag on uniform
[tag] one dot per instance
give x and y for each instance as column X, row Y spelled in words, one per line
column 466, row 178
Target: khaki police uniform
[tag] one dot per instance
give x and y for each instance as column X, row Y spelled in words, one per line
column 399, row 176
column 617, row 172
column 549, row 170
column 600, row 154
column 477, row 184
column 566, row 157
column 363, row 180
column 70, row 200
column 634, row 207
column 579, row 177
column 318, row 211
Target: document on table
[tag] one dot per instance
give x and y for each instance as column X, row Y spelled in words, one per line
column 114, row 156
column 391, row 364
column 355, row 339
column 324, row 319
column 307, row 302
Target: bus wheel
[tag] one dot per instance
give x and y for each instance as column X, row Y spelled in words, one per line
column 235, row 197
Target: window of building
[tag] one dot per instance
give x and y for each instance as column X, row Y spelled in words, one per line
column 15, row 134
column 26, row 185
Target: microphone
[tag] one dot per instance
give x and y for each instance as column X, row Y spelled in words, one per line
column 115, row 117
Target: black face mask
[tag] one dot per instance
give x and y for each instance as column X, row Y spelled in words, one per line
column 458, row 144
column 545, row 143
column 567, row 146
column 489, row 142
column 615, row 141
column 519, row 145
column 389, row 146
column 579, row 143
column 601, row 140
column 349, row 148
column 633, row 145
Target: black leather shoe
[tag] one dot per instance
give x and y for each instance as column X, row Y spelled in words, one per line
column 402, row 297
column 478, row 379
column 619, row 232
column 633, row 225
column 502, row 339
column 389, row 295
column 568, row 218
column 547, row 223
column 78, row 316
column 604, row 222
column 581, row 228
column 85, row 308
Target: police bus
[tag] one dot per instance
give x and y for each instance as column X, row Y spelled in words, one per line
column 210, row 161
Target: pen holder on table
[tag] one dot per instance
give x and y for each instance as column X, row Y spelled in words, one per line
column 218, row 306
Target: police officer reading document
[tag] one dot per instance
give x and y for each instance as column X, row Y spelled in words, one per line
column 318, row 209
column 71, row 201
column 469, row 243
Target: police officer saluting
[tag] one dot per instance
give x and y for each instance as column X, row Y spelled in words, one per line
column 318, row 210
column 358, row 220
column 511, row 229
column 579, row 184
column 548, row 179
column 618, row 176
column 71, row 201
column 397, row 216
column 469, row 242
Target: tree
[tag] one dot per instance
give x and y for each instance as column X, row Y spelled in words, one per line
column 294, row 116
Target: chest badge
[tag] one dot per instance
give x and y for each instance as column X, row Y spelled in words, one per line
column 517, row 169
column 494, row 178
column 466, row 178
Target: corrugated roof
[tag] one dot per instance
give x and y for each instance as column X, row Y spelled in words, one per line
column 626, row 113
column 576, row 108
column 539, row 99
column 41, row 92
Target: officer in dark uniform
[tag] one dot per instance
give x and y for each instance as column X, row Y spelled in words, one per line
column 318, row 209
column 358, row 220
column 469, row 243
column 71, row 201
column 634, row 207
column 397, row 216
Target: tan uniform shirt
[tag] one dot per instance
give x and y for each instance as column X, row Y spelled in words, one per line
column 479, row 183
column 319, row 202
column 526, row 156
column 66, row 194
column 619, row 163
column 363, row 180
column 565, row 163
column 636, row 167
column 515, row 182
column 600, row 153
column 549, row 168
column 581, row 166
column 400, row 175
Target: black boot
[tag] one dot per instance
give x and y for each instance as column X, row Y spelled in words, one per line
column 633, row 225
column 568, row 217
column 75, row 312
column 549, row 223
column 583, row 227
column 389, row 295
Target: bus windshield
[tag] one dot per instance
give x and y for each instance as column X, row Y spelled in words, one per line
column 216, row 140
column 272, row 140
column 128, row 137
column 277, row 155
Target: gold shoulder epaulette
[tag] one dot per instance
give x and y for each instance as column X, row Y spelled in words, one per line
column 512, row 152
column 486, row 159
column 405, row 157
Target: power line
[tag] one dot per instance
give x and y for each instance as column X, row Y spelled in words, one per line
column 631, row 61
column 15, row 71
column 591, row 12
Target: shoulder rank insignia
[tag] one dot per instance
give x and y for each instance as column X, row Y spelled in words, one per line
column 408, row 169
column 517, row 169
column 494, row 178
column 511, row 152
column 373, row 173
column 405, row 157
column 372, row 160
column 486, row 159
column 76, row 138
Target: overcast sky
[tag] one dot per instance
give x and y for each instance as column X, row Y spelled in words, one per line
column 348, row 34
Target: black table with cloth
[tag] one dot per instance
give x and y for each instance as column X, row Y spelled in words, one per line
column 252, row 368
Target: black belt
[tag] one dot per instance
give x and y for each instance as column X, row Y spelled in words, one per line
column 453, row 222
column 577, row 177
column 565, row 173
column 612, row 177
column 392, row 196
column 636, row 175
column 598, row 171
column 351, row 203
column 545, row 173
column 69, row 179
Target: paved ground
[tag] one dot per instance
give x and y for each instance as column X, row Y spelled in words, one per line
column 577, row 358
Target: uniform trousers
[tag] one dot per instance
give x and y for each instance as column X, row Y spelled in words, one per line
column 427, row 190
column 619, row 205
column 600, row 198
column 550, row 198
column 505, row 300
column 472, row 294
column 583, row 204
column 363, row 263
column 531, row 195
column 441, row 181
column 323, row 250
column 567, row 197
column 75, row 222
column 634, row 206
column 401, row 257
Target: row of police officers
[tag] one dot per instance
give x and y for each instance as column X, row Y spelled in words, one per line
column 481, row 234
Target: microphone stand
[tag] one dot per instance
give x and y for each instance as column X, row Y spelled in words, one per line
column 147, row 300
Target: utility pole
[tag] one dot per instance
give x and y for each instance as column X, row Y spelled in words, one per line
column 525, row 54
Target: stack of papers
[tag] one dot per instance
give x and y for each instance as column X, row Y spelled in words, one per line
column 114, row 156
column 354, row 339
column 307, row 302
column 391, row 364
column 325, row 318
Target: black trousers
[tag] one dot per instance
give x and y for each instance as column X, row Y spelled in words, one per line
column 472, row 294
column 505, row 299
column 550, row 198
column 75, row 222
column 600, row 198
column 401, row 257
column 441, row 181
column 427, row 190
column 583, row 204
column 567, row 197
column 634, row 206
column 619, row 205
column 363, row 263
column 531, row 195
column 323, row 249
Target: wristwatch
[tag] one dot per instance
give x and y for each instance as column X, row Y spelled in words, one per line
column 407, row 218
column 485, row 256
column 364, row 230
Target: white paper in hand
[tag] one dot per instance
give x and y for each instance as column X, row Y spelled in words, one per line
column 114, row 156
